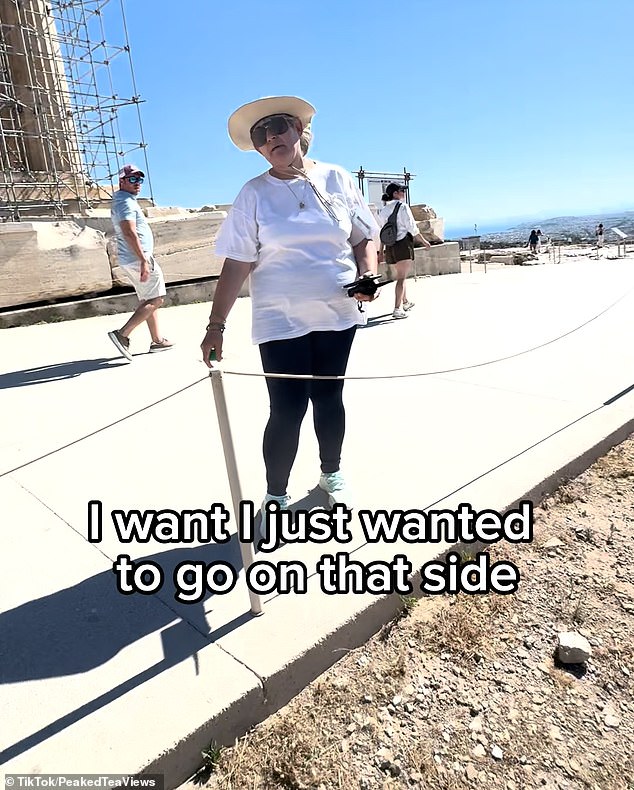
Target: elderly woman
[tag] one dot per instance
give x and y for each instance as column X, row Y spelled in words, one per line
column 301, row 231
column 401, row 254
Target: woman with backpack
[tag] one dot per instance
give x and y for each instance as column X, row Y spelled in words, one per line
column 400, row 254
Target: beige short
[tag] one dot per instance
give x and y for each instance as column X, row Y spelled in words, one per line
column 153, row 287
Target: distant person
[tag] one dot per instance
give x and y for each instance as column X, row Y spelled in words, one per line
column 401, row 254
column 533, row 241
column 135, row 247
column 539, row 240
column 599, row 234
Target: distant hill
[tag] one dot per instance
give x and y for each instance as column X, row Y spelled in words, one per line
column 575, row 229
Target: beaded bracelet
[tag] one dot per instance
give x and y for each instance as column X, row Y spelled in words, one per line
column 217, row 325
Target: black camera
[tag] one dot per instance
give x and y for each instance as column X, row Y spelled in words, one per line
column 368, row 284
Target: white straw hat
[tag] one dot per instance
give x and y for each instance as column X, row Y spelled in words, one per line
column 244, row 118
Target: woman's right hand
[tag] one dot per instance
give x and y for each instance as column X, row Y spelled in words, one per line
column 212, row 342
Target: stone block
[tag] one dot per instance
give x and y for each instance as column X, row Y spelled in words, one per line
column 51, row 260
column 422, row 211
column 164, row 211
column 432, row 229
column 439, row 259
column 183, row 246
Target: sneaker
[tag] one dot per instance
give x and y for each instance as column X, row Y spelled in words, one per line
column 162, row 345
column 407, row 305
column 283, row 501
column 334, row 485
column 122, row 343
column 399, row 313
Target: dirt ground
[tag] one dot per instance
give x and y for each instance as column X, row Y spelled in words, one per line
column 467, row 691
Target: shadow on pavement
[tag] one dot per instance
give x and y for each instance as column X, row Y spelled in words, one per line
column 83, row 626
column 76, row 629
column 63, row 370
column 379, row 320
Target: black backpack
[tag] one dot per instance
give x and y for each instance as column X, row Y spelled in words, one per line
column 389, row 230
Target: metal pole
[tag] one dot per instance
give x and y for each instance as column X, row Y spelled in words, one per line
column 246, row 549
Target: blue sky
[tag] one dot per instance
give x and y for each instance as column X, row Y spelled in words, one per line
column 502, row 109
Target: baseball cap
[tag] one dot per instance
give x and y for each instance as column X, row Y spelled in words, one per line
column 130, row 170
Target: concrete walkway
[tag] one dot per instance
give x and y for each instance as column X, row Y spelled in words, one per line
column 529, row 375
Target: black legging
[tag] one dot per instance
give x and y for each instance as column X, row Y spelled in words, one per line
column 318, row 354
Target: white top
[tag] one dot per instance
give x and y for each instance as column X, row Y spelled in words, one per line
column 405, row 222
column 302, row 257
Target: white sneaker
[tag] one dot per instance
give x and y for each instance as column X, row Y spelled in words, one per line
column 334, row 485
column 408, row 305
column 399, row 313
column 283, row 501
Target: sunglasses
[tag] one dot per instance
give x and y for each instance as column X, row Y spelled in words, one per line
column 275, row 124
column 135, row 179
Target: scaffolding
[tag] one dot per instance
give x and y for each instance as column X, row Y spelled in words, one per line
column 62, row 119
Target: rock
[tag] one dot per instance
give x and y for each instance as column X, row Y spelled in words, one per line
column 421, row 211
column 152, row 212
column 475, row 725
column 479, row 751
column 573, row 648
column 497, row 753
column 367, row 698
column 53, row 259
column 472, row 772
column 552, row 543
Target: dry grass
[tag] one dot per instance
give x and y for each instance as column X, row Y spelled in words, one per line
column 295, row 751
column 464, row 628
column 568, row 493
column 617, row 464
column 347, row 730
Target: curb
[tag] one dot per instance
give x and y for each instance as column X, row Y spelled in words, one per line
column 179, row 766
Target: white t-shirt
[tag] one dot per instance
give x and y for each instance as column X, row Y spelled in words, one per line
column 302, row 257
column 405, row 222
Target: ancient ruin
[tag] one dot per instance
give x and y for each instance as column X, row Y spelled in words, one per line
column 60, row 151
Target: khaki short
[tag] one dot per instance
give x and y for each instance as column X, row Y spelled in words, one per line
column 153, row 287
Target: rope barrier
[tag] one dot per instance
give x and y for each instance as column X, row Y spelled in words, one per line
column 307, row 377
column 100, row 430
column 216, row 375
column 431, row 372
